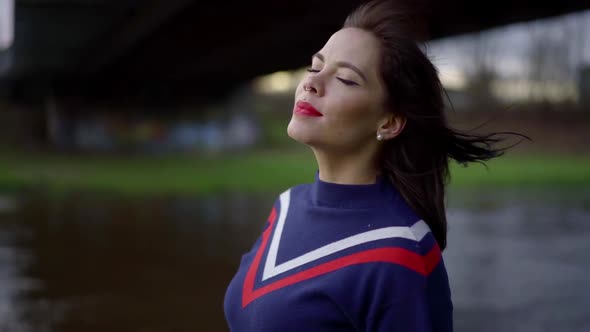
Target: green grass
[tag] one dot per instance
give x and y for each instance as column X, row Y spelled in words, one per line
column 519, row 170
column 252, row 172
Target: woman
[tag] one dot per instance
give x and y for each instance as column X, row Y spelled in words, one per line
column 359, row 249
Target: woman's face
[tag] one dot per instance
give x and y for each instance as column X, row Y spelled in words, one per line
column 344, row 86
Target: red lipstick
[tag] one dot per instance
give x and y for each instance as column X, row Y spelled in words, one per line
column 307, row 109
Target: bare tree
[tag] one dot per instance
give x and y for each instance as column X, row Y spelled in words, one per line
column 482, row 72
column 550, row 58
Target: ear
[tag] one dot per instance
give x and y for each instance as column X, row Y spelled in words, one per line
column 391, row 125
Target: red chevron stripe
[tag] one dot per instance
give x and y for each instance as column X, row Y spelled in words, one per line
column 249, row 280
column 421, row 264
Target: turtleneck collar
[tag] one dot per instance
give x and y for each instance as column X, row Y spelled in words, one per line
column 350, row 195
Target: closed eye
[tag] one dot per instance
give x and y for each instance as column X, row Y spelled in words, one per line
column 347, row 82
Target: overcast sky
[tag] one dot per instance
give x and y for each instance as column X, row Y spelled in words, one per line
column 6, row 23
column 509, row 48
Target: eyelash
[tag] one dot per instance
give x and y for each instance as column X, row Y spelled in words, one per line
column 345, row 82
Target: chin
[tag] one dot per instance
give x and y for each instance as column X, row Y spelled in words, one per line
column 299, row 134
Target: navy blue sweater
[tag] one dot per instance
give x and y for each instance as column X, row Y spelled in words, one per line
column 337, row 257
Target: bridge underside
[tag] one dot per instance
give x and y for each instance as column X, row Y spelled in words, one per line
column 111, row 49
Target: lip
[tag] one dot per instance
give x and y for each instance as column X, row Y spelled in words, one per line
column 306, row 109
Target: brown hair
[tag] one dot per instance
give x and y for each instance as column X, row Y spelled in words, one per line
column 417, row 160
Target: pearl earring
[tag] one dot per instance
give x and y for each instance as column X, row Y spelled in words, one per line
column 379, row 137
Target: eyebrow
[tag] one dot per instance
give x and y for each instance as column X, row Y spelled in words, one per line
column 343, row 64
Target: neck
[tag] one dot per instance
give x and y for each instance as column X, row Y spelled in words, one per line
column 347, row 168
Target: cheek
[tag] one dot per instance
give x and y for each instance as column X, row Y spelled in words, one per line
column 355, row 115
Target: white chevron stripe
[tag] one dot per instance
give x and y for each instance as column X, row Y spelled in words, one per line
column 415, row 233
column 271, row 257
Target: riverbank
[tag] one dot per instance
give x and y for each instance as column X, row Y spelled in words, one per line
column 260, row 171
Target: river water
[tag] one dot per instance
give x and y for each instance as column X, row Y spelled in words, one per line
column 518, row 260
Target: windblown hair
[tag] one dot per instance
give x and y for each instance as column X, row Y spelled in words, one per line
column 417, row 160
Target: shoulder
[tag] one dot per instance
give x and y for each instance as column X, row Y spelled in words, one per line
column 298, row 190
column 294, row 193
column 285, row 198
column 412, row 246
column 405, row 265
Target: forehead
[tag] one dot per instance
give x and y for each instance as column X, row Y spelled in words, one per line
column 353, row 45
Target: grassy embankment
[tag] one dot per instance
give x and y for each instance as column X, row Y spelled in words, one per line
column 252, row 171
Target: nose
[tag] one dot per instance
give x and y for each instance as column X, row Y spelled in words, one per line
column 313, row 86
